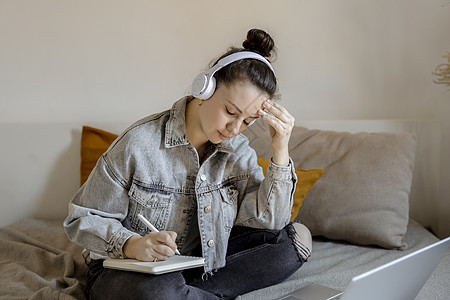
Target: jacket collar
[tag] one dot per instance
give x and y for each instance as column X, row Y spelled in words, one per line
column 176, row 127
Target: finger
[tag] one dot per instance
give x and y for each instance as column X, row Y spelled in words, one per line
column 282, row 113
column 273, row 121
column 155, row 249
column 173, row 235
column 163, row 252
column 277, row 110
column 278, row 106
column 168, row 238
column 147, row 254
column 147, row 251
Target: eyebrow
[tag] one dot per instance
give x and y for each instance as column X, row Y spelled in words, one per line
column 240, row 111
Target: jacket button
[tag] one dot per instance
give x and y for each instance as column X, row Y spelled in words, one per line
column 210, row 243
column 207, row 209
column 203, row 177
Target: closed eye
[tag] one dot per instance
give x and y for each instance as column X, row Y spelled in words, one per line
column 248, row 123
column 229, row 112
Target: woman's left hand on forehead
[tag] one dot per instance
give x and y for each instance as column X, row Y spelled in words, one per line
column 281, row 123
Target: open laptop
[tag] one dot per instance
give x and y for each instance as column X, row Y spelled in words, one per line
column 400, row 279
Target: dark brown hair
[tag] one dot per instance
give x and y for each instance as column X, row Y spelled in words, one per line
column 252, row 70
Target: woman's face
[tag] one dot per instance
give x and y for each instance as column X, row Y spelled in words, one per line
column 230, row 110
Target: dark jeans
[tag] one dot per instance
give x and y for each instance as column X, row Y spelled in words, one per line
column 256, row 258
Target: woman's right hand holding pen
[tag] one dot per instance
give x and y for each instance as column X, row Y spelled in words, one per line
column 160, row 245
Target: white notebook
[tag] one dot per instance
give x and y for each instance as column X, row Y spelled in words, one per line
column 174, row 263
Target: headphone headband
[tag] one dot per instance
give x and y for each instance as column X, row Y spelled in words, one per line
column 204, row 84
column 243, row 55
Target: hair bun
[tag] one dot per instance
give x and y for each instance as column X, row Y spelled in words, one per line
column 259, row 41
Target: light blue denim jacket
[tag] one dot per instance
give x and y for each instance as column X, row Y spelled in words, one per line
column 151, row 169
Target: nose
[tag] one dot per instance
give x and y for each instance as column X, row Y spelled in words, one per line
column 234, row 126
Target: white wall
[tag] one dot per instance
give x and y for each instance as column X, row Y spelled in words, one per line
column 103, row 60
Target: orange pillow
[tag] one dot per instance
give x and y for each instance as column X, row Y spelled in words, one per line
column 306, row 180
column 94, row 142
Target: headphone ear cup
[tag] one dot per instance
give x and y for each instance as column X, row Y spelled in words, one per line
column 210, row 89
column 202, row 88
column 199, row 85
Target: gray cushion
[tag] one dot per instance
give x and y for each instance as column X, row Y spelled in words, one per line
column 363, row 195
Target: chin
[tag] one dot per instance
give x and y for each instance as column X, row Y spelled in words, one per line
column 215, row 140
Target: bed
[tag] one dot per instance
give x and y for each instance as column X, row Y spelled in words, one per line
column 376, row 201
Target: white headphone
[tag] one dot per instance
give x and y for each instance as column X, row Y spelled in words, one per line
column 204, row 84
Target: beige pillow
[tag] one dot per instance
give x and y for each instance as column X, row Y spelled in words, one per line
column 363, row 195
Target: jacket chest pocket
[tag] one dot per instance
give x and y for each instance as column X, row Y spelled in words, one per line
column 153, row 205
column 229, row 206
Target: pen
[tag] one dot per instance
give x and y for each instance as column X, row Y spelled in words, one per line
column 152, row 228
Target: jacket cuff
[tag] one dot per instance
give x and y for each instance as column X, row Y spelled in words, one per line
column 115, row 246
column 283, row 173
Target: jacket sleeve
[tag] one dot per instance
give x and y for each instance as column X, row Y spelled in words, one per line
column 266, row 202
column 97, row 210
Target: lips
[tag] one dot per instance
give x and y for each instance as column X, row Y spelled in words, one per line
column 222, row 136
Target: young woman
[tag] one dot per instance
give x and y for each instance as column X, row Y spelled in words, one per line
column 192, row 174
